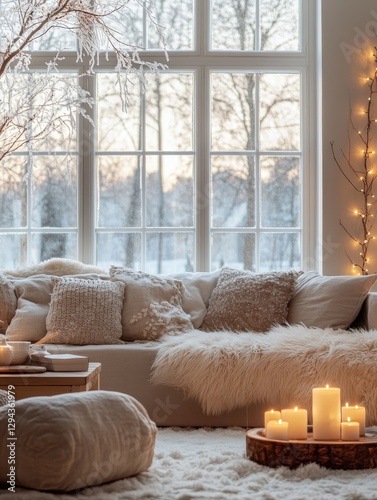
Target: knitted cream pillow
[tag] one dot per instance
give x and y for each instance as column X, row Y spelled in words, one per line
column 8, row 302
column 85, row 311
column 244, row 301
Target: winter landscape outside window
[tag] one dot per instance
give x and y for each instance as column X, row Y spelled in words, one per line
column 208, row 167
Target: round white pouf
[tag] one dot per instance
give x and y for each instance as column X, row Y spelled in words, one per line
column 70, row 441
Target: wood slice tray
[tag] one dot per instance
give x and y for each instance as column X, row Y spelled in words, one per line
column 331, row 454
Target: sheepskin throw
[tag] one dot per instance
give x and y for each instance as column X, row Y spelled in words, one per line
column 225, row 370
column 55, row 267
column 245, row 301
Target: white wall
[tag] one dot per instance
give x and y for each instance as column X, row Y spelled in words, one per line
column 346, row 33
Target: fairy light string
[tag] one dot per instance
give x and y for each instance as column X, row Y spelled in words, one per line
column 362, row 178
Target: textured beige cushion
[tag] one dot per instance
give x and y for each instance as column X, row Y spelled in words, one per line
column 198, row 290
column 8, row 302
column 152, row 305
column 70, row 441
column 243, row 301
column 29, row 322
column 328, row 301
column 85, row 311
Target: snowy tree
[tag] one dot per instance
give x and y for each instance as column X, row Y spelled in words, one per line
column 33, row 105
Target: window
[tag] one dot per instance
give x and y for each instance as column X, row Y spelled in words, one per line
column 210, row 165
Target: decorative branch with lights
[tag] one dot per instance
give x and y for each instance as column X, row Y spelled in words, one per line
column 362, row 178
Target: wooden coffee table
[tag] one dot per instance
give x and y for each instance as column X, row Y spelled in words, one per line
column 51, row 383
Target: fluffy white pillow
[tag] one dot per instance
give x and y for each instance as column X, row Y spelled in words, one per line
column 328, row 301
column 71, row 441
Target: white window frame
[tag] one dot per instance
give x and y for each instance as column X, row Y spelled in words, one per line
column 203, row 61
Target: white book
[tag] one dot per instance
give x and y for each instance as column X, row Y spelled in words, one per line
column 64, row 362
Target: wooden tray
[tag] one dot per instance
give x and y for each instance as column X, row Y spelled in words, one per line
column 331, row 454
column 22, row 369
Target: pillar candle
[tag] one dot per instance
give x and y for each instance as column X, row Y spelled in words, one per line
column 326, row 413
column 277, row 429
column 271, row 415
column 297, row 422
column 356, row 414
column 350, row 431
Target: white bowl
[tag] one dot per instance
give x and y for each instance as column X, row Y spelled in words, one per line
column 20, row 351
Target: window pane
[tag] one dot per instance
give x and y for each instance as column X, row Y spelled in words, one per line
column 280, row 112
column 42, row 107
column 119, row 191
column 119, row 249
column 279, row 251
column 13, row 250
column 233, row 191
column 169, row 112
column 13, row 192
column 127, row 22
column 255, row 25
column 170, row 252
column 55, row 120
column 279, row 25
column 233, row 24
column 233, row 111
column 176, row 18
column 280, row 192
column 118, row 130
column 169, row 191
column 233, row 249
column 54, row 198
column 56, row 40
column 48, row 245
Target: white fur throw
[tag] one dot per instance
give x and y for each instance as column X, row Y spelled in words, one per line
column 55, row 267
column 226, row 370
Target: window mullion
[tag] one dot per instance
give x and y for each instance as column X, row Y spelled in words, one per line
column 203, row 170
column 87, row 183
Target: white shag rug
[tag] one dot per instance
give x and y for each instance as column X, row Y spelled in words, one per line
column 211, row 464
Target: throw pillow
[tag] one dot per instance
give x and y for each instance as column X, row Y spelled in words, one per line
column 152, row 305
column 85, row 311
column 29, row 322
column 198, row 290
column 328, row 301
column 34, row 295
column 8, row 302
column 244, row 301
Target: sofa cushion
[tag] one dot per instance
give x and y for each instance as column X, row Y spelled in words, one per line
column 34, row 295
column 198, row 290
column 71, row 441
column 29, row 322
column 85, row 311
column 243, row 301
column 152, row 305
column 8, row 302
column 328, row 301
